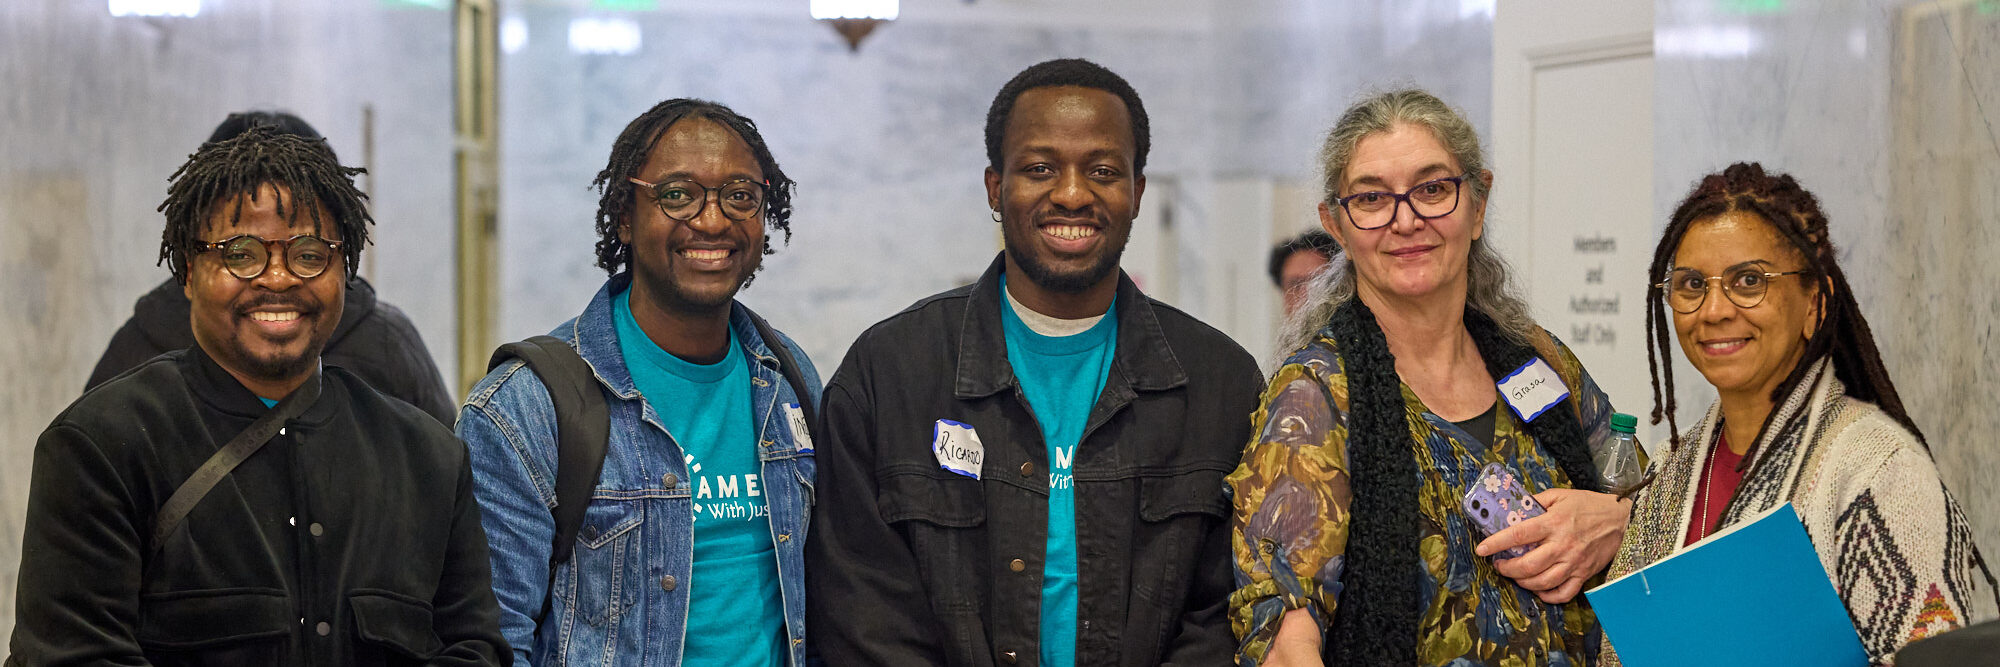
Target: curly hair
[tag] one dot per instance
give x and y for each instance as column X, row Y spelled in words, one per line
column 1067, row 72
column 1779, row 200
column 616, row 193
column 222, row 171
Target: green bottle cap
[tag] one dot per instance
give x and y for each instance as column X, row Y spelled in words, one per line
column 1623, row 423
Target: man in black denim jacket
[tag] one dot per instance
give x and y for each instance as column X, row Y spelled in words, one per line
column 936, row 495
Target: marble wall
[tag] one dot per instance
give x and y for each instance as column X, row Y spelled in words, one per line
column 1889, row 111
column 885, row 142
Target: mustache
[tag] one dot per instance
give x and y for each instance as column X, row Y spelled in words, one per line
column 303, row 305
column 1092, row 213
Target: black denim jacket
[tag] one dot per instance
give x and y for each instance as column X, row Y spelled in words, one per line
column 910, row 564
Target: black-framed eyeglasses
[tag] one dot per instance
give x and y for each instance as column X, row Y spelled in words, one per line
column 246, row 256
column 683, row 200
column 1744, row 285
column 1430, row 199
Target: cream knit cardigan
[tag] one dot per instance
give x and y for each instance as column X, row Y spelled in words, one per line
column 1892, row 539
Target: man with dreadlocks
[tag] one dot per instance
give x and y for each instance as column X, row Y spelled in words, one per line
column 1028, row 470
column 374, row 339
column 238, row 502
column 690, row 548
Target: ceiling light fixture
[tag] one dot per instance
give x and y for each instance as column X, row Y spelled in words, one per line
column 854, row 19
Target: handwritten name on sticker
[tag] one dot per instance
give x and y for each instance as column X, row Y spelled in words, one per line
column 1532, row 389
column 957, row 447
column 801, row 435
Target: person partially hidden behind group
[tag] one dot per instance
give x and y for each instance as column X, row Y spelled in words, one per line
column 1351, row 545
column 1805, row 413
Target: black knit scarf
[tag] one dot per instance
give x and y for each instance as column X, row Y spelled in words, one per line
column 1377, row 618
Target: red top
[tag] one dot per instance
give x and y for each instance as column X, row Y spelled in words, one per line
column 1718, row 483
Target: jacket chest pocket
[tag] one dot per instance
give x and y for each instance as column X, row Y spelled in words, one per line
column 935, row 515
column 1177, row 513
column 215, row 627
column 394, row 629
column 606, row 563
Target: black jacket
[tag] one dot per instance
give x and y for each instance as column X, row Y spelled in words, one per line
column 908, row 564
column 352, row 538
column 373, row 339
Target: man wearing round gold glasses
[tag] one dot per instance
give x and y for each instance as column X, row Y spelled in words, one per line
column 373, row 338
column 239, row 502
column 686, row 545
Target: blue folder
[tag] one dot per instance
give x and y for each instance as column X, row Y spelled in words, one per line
column 1753, row 594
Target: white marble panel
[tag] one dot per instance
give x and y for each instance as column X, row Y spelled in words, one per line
column 1886, row 110
column 887, row 143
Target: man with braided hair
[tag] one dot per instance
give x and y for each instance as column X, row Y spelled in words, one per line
column 373, row 339
column 238, row 502
column 690, row 548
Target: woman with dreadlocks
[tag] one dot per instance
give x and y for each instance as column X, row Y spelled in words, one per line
column 1406, row 382
column 1805, row 413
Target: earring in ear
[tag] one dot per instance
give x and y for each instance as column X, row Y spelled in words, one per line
column 996, row 216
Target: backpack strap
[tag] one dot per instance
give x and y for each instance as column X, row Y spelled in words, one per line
column 787, row 366
column 583, row 429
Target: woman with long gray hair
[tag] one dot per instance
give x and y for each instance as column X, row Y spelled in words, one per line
column 1418, row 385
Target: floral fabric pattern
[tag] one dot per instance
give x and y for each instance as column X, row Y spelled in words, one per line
column 1292, row 497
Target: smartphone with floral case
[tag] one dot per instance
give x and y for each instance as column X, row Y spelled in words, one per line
column 1497, row 500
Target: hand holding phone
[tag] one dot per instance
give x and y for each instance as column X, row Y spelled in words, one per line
column 1497, row 500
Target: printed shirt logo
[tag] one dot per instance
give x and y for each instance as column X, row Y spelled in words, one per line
column 725, row 497
column 1059, row 474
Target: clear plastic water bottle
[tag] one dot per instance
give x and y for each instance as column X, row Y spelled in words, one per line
column 1620, row 458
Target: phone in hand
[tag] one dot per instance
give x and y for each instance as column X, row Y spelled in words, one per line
column 1497, row 500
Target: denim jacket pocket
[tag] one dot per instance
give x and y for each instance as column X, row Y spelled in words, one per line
column 397, row 625
column 1193, row 492
column 952, row 502
column 606, row 555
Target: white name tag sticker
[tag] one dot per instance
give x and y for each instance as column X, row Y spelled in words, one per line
column 801, row 435
column 957, row 448
column 1532, row 389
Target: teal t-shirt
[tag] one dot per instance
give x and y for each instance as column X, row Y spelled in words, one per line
column 736, row 614
column 1062, row 377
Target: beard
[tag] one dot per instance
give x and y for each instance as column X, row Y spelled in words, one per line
column 1056, row 280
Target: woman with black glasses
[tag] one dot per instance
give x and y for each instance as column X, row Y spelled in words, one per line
column 1421, row 407
column 1805, row 413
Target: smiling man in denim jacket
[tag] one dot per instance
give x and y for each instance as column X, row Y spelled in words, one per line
column 691, row 549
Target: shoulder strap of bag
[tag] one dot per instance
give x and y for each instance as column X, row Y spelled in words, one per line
column 787, row 366
column 226, row 459
column 583, row 427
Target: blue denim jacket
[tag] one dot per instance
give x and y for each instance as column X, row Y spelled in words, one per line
column 623, row 598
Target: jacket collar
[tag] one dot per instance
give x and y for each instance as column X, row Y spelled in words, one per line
column 595, row 335
column 214, row 385
column 1143, row 358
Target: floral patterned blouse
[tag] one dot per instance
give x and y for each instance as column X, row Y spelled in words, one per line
column 1292, row 498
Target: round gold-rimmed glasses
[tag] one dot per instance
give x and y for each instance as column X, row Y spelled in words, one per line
column 246, row 256
column 1744, row 285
